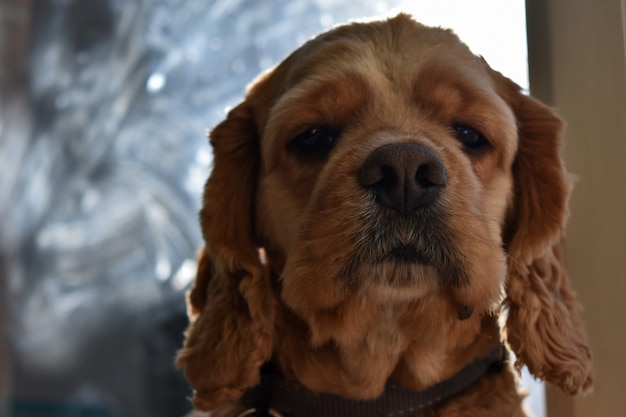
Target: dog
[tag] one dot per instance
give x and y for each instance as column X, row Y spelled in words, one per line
column 382, row 227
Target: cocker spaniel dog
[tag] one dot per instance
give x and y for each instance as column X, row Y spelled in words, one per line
column 382, row 227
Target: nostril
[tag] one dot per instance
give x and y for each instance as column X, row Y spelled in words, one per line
column 375, row 173
column 422, row 176
column 431, row 174
column 389, row 176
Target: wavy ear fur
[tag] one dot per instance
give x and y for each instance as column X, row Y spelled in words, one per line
column 231, row 307
column 544, row 327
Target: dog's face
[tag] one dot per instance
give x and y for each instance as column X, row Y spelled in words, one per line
column 395, row 183
column 386, row 169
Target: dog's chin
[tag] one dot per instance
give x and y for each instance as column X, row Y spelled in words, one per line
column 401, row 278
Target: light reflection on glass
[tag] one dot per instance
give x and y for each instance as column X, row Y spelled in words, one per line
column 155, row 82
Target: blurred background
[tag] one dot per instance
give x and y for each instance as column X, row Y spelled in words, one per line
column 104, row 105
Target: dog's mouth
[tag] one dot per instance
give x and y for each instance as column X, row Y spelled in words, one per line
column 406, row 254
column 400, row 252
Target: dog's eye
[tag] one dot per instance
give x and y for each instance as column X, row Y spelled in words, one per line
column 314, row 142
column 471, row 138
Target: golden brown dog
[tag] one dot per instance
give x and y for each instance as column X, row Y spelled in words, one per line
column 379, row 202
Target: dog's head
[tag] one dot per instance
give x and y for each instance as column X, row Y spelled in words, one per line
column 381, row 164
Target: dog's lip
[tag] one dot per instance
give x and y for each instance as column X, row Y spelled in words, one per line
column 405, row 254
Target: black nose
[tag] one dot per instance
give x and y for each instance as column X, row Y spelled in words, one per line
column 404, row 176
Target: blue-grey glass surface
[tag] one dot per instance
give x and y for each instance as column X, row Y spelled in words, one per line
column 102, row 162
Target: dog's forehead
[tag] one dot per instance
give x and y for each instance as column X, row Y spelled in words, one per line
column 396, row 48
column 398, row 54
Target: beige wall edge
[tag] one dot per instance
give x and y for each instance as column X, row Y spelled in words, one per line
column 577, row 64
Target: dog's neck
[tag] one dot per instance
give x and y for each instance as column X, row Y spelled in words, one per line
column 355, row 350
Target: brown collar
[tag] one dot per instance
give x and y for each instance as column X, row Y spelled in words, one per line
column 275, row 397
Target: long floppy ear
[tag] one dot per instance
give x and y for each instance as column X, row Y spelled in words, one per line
column 544, row 327
column 231, row 306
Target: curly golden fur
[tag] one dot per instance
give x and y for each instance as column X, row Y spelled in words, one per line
column 307, row 263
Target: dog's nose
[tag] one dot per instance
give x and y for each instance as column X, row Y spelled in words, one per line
column 404, row 176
